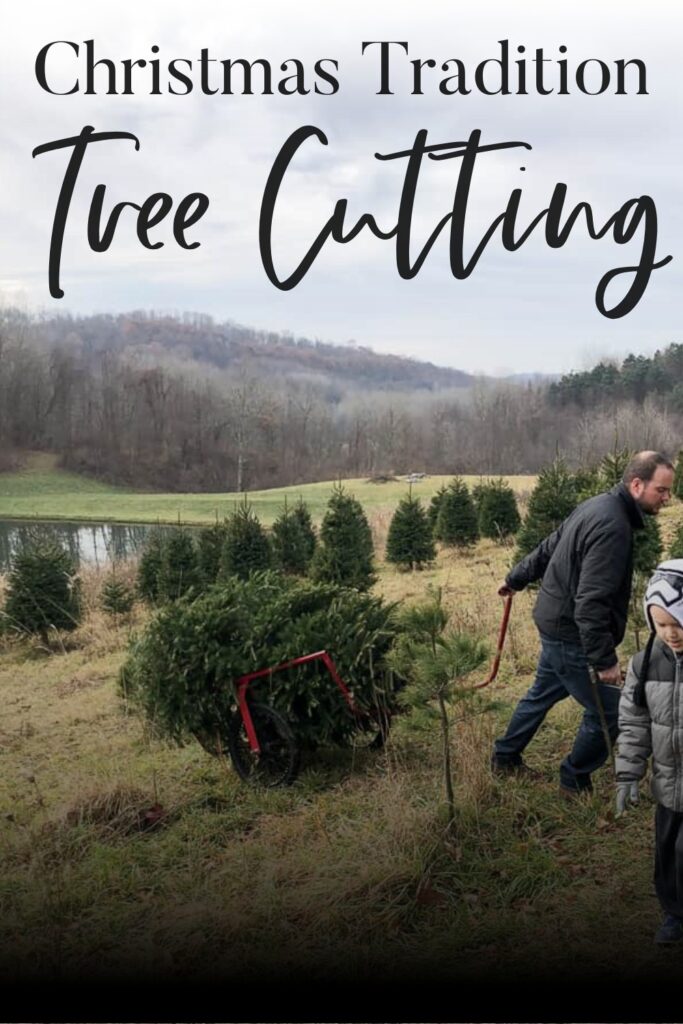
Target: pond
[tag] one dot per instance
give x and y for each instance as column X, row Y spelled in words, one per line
column 96, row 544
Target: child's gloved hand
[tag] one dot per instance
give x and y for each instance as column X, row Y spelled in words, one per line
column 627, row 796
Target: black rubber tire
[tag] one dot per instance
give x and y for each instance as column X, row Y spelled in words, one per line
column 373, row 730
column 278, row 762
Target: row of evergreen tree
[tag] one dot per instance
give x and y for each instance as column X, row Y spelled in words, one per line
column 173, row 563
column 43, row 588
column 455, row 517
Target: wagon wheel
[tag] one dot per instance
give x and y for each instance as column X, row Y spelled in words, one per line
column 278, row 762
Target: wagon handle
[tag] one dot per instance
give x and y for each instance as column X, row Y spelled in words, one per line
column 501, row 640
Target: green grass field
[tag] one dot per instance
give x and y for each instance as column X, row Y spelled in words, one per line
column 348, row 874
column 43, row 492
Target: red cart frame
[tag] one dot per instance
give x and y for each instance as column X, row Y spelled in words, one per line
column 244, row 682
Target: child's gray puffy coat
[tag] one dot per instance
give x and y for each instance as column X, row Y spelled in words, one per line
column 656, row 729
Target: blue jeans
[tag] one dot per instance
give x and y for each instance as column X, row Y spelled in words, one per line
column 562, row 672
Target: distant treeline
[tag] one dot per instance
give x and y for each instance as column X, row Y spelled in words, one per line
column 141, row 416
column 659, row 376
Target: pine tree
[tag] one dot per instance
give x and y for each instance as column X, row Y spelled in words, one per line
column 587, row 482
column 289, row 543
column 457, row 520
column 117, row 598
column 345, row 554
column 551, row 501
column 304, row 518
column 179, row 571
column 43, row 591
column 435, row 507
column 596, row 479
column 647, row 553
column 149, row 567
column 478, row 492
column 246, row 548
column 209, row 550
column 498, row 514
column 678, row 476
column 410, row 541
column 433, row 665
column 647, row 547
column 612, row 466
column 676, row 550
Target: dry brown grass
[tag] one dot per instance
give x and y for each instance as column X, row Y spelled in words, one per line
column 117, row 812
column 350, row 868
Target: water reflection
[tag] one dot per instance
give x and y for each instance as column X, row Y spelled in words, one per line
column 97, row 544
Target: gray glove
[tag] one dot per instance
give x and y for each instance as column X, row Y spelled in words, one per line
column 627, row 796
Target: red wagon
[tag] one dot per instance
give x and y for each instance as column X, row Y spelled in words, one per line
column 262, row 744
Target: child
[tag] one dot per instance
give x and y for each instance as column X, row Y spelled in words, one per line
column 651, row 722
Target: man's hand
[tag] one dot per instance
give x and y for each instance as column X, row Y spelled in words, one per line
column 627, row 796
column 505, row 591
column 610, row 675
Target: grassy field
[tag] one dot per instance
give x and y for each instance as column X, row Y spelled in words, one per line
column 43, row 492
column 347, row 875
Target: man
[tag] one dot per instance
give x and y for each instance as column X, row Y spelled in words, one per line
column 581, row 612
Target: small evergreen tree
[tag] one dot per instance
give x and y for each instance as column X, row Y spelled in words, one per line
column 303, row 517
column 345, row 554
column 410, row 542
column 647, row 553
column 551, row 501
column 117, row 598
column 478, row 492
column 596, row 479
column 246, row 548
column 43, row 591
column 647, row 547
column 433, row 663
column 209, row 550
column 179, row 571
column 678, row 476
column 435, row 507
column 457, row 520
column 587, row 482
column 149, row 567
column 612, row 467
column 676, row 549
column 289, row 543
column 497, row 510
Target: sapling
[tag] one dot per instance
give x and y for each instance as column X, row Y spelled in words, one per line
column 434, row 663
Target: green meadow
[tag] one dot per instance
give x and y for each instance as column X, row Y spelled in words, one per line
column 350, row 873
column 41, row 491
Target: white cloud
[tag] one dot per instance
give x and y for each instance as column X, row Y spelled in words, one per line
column 536, row 303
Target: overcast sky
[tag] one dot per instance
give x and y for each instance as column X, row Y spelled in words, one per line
column 533, row 309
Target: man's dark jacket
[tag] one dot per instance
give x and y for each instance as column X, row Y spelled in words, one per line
column 586, row 567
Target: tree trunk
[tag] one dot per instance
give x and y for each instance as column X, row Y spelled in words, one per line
column 448, row 777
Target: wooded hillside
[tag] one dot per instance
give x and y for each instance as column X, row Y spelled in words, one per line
column 184, row 404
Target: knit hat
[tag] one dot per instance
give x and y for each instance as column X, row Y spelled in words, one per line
column 665, row 590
